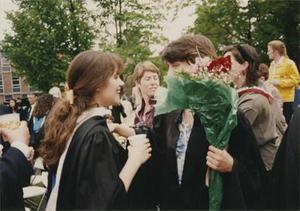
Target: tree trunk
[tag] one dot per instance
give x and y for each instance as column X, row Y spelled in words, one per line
column 292, row 34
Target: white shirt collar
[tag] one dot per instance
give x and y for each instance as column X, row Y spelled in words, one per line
column 96, row 111
column 279, row 61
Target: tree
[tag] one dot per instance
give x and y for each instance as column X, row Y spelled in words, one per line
column 256, row 23
column 130, row 27
column 286, row 15
column 46, row 36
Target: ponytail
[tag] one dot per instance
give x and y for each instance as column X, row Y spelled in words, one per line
column 89, row 71
column 59, row 126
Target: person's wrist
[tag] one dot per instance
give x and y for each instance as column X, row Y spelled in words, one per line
column 117, row 127
column 1, row 148
column 134, row 161
column 230, row 165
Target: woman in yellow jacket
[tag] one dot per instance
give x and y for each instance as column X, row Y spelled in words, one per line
column 284, row 75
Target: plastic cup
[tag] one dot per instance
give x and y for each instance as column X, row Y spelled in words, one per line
column 136, row 139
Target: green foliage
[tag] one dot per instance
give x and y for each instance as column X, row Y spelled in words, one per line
column 257, row 23
column 130, row 27
column 46, row 36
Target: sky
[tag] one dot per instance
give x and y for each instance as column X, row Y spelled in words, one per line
column 171, row 30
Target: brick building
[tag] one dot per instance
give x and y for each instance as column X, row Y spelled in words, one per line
column 11, row 85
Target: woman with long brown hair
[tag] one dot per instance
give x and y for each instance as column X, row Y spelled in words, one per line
column 78, row 143
column 43, row 106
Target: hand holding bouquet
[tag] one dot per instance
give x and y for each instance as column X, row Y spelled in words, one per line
column 207, row 89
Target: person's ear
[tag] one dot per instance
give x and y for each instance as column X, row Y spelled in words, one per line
column 245, row 68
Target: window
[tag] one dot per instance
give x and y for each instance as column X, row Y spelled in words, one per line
column 1, row 84
column 8, row 97
column 5, row 64
column 16, row 83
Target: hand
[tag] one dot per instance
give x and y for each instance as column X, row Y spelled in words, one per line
column 31, row 156
column 112, row 126
column 219, row 160
column 1, row 147
column 140, row 152
column 275, row 82
column 121, row 129
column 20, row 134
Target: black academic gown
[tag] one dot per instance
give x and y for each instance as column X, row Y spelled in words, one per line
column 286, row 168
column 117, row 111
column 90, row 175
column 15, row 173
column 142, row 191
column 242, row 187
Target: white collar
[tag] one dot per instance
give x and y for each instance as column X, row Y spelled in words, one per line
column 279, row 61
column 96, row 111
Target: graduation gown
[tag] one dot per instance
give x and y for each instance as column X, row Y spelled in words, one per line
column 241, row 187
column 285, row 173
column 90, row 174
column 15, row 172
column 142, row 191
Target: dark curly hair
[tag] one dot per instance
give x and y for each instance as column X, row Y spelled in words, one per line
column 246, row 53
column 263, row 71
column 43, row 105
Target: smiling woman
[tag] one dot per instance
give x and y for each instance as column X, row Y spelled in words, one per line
column 78, row 145
column 147, row 81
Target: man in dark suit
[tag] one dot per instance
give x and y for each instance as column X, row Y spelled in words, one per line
column 32, row 98
column 15, row 168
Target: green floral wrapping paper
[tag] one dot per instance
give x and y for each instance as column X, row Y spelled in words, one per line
column 215, row 104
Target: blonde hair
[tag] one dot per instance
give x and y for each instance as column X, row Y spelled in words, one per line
column 143, row 67
column 278, row 46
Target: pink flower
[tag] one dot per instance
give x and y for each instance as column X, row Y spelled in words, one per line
column 201, row 62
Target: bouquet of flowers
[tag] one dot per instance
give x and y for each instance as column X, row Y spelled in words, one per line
column 206, row 89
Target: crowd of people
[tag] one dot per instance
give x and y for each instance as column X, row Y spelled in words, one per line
column 104, row 150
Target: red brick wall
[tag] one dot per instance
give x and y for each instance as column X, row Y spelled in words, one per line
column 7, row 85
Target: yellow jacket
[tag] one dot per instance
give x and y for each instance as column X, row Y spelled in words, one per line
column 287, row 74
